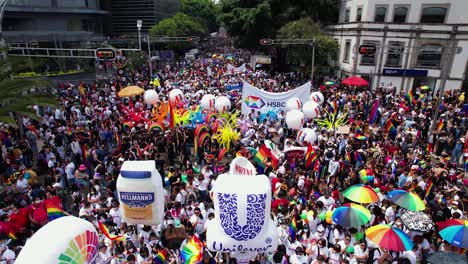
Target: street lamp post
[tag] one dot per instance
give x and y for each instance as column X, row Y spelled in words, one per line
column 139, row 25
column 149, row 56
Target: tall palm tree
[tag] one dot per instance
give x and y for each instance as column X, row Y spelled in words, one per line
column 17, row 96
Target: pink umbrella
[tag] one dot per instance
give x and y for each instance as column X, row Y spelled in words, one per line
column 355, row 81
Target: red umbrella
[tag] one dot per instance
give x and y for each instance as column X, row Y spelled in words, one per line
column 355, row 81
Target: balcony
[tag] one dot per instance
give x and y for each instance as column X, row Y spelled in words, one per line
column 56, row 6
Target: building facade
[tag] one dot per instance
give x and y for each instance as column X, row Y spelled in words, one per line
column 125, row 14
column 419, row 42
column 60, row 23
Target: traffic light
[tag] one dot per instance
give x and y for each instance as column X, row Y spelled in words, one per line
column 266, row 42
column 105, row 54
column 367, row 49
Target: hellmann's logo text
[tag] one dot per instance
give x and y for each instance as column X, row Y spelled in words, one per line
column 242, row 170
column 137, row 198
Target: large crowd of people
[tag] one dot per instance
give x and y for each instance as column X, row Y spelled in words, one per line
column 72, row 158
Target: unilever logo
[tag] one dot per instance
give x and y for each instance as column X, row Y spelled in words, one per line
column 254, row 102
column 256, row 204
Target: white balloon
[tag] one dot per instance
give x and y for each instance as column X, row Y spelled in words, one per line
column 222, row 104
column 176, row 95
column 311, row 109
column 317, row 97
column 295, row 119
column 293, row 103
column 311, row 137
column 151, row 97
column 67, row 237
column 306, row 135
column 208, row 101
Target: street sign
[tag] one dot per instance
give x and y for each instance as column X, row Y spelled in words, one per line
column 105, row 54
column 367, row 49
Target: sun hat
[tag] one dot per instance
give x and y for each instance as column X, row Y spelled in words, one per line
column 82, row 167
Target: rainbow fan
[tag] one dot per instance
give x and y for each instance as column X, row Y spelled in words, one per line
column 81, row 250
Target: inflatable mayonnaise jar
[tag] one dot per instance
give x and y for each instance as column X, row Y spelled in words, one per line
column 141, row 193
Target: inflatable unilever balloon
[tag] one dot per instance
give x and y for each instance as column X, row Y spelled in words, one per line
column 141, row 194
column 222, row 104
column 176, row 96
column 208, row 101
column 306, row 135
column 317, row 97
column 67, row 239
column 151, row 97
column 295, row 119
column 242, row 202
column 311, row 109
column 293, row 103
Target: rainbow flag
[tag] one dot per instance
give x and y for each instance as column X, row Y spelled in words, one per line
column 466, row 164
column 54, row 212
column 262, row 154
column 440, row 125
column 106, row 232
column 12, row 236
column 160, row 257
column 118, row 139
column 192, row 252
column 389, row 129
column 360, row 137
column 221, row 154
column 410, row 98
column 310, row 156
column 155, row 126
column 127, row 125
column 429, row 188
column 333, row 107
column 348, row 157
column 374, row 112
column 69, row 132
column 293, row 228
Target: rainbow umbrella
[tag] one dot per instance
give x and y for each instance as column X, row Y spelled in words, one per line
column 425, row 88
column 351, row 215
column 407, row 200
column 389, row 238
column 330, row 83
column 361, row 194
column 454, row 231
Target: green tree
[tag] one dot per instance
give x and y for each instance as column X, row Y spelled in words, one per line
column 256, row 19
column 178, row 25
column 302, row 54
column 19, row 95
column 203, row 11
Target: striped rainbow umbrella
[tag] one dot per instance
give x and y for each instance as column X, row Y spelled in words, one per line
column 330, row 83
column 361, row 194
column 454, row 231
column 407, row 200
column 351, row 215
column 389, row 238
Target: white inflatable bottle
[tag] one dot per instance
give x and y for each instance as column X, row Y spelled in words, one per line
column 242, row 201
column 141, row 193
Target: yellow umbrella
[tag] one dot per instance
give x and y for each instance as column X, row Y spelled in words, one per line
column 130, row 91
column 461, row 98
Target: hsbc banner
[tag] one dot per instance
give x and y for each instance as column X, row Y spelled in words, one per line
column 259, row 100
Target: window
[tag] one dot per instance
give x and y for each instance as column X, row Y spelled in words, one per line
column 380, row 13
column 399, row 15
column 347, row 51
column 430, row 56
column 369, row 59
column 433, row 15
column 359, row 15
column 394, row 56
column 347, row 14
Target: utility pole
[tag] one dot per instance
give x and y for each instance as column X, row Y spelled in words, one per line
column 139, row 26
column 149, row 56
column 286, row 42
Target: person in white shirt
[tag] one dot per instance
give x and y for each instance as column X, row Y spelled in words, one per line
column 361, row 251
column 328, row 202
column 70, row 172
column 299, row 257
column 198, row 221
column 334, row 254
column 104, row 256
column 116, row 214
column 410, row 255
column 389, row 212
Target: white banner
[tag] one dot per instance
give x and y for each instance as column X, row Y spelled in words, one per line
column 263, row 101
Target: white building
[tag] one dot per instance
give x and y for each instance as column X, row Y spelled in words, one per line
column 418, row 42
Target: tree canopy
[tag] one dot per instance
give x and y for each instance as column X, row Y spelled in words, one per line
column 179, row 25
column 203, row 11
column 256, row 19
